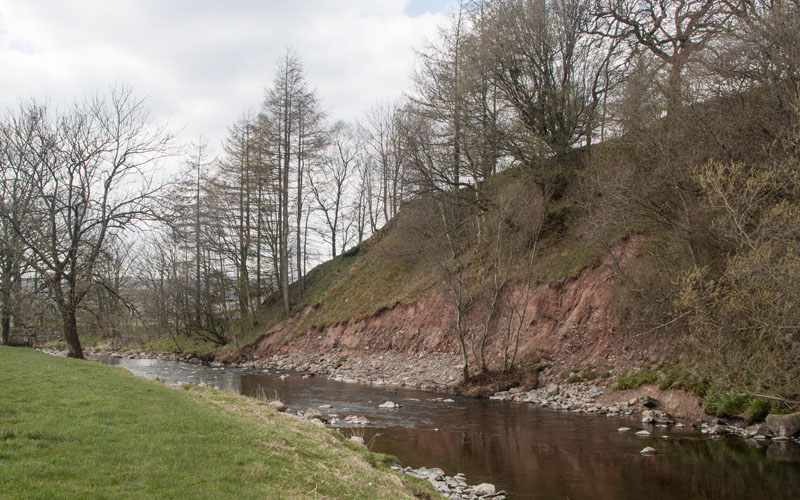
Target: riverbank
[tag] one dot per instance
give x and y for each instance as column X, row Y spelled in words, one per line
column 74, row 429
column 440, row 372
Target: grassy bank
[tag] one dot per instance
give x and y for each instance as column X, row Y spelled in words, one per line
column 77, row 429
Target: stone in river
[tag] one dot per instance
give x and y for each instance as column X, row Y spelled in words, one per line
column 657, row 417
column 313, row 413
column 643, row 433
column 484, row 489
column 389, row 404
column 648, row 451
column 784, row 425
column 623, row 429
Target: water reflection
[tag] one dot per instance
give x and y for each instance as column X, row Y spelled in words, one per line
column 532, row 453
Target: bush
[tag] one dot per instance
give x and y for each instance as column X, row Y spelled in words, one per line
column 725, row 403
column 731, row 403
column 757, row 410
column 743, row 315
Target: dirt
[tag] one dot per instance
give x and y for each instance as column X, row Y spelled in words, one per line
column 682, row 404
column 571, row 325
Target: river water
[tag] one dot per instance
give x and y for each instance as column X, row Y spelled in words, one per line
column 530, row 452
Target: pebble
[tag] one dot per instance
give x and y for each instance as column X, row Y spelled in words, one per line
column 455, row 487
column 579, row 398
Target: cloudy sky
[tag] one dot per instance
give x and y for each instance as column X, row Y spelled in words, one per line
column 205, row 62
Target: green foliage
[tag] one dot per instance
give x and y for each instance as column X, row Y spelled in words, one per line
column 76, row 429
column 725, row 403
column 574, row 375
column 571, row 376
column 757, row 410
column 631, row 379
column 677, row 376
column 744, row 315
column 732, row 403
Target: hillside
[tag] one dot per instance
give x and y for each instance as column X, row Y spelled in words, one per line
column 608, row 264
column 389, row 296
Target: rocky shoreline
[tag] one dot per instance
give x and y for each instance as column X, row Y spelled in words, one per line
column 455, row 487
column 434, row 372
column 440, row 372
column 583, row 398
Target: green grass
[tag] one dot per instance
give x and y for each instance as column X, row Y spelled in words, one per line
column 77, row 429
column 731, row 403
column 631, row 379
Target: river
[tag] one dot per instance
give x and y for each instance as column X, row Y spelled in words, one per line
column 531, row 452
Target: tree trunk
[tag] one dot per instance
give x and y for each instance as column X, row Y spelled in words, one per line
column 5, row 329
column 300, row 133
column 71, row 332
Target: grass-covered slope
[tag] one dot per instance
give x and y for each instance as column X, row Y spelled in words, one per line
column 77, row 429
column 394, row 266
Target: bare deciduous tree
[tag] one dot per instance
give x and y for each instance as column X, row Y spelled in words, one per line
column 93, row 178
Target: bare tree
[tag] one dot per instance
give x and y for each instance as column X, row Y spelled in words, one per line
column 93, row 178
column 19, row 135
column 550, row 69
column 328, row 183
column 674, row 32
column 293, row 115
column 438, row 101
column 380, row 132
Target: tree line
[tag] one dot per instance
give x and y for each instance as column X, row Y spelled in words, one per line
column 532, row 87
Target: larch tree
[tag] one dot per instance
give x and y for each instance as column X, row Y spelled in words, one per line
column 293, row 114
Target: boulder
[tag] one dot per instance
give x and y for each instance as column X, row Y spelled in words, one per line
column 757, row 430
column 278, row 405
column 352, row 419
column 389, row 404
column 484, row 489
column 718, row 430
column 643, row 434
column 784, row 425
column 313, row 413
column 657, row 417
column 648, row 451
column 648, row 402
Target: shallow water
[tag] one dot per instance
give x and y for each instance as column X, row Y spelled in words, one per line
column 530, row 452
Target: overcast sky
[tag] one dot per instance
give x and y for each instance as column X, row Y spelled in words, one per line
column 205, row 62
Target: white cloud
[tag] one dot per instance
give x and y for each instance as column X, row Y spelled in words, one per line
column 206, row 62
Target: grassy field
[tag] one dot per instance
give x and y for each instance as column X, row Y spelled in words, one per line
column 77, row 429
